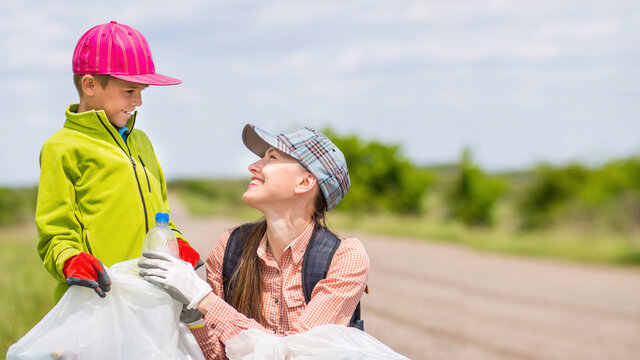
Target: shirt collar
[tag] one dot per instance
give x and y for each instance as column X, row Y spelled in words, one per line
column 123, row 132
column 298, row 246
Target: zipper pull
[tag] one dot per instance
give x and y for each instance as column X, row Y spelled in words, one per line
column 132, row 162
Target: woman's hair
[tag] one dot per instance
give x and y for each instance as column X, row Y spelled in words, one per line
column 248, row 276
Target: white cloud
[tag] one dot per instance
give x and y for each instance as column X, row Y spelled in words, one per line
column 32, row 40
column 279, row 13
column 270, row 99
column 581, row 29
column 299, row 60
column 419, row 11
column 460, row 69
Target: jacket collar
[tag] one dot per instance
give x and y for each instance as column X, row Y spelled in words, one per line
column 93, row 121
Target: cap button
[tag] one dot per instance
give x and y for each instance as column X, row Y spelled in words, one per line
column 114, row 22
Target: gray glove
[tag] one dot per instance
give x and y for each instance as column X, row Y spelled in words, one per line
column 174, row 276
column 188, row 316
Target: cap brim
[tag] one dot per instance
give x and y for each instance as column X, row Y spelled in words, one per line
column 149, row 79
column 254, row 142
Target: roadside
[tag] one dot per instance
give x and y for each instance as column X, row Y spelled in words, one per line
column 441, row 301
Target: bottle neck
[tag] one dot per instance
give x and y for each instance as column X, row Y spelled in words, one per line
column 162, row 223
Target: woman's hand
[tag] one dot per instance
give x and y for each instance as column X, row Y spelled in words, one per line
column 174, row 276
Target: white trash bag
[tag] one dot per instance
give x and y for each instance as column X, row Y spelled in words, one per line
column 325, row 342
column 135, row 320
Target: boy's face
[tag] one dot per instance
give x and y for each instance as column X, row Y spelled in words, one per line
column 118, row 99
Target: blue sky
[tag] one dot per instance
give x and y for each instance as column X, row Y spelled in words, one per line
column 517, row 81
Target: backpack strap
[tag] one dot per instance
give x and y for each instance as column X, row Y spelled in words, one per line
column 231, row 260
column 316, row 262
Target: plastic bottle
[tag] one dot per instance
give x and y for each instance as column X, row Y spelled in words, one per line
column 161, row 237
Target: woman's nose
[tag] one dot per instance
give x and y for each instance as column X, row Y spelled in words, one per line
column 255, row 167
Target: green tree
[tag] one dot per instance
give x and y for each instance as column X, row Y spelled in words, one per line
column 550, row 192
column 382, row 178
column 473, row 194
column 17, row 205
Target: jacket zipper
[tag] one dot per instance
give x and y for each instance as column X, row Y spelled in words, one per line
column 144, row 167
column 135, row 173
column 86, row 241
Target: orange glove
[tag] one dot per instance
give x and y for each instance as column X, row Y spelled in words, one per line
column 85, row 270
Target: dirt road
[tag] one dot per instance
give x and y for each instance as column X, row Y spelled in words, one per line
column 436, row 301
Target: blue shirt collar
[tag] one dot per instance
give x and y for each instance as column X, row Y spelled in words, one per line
column 123, row 132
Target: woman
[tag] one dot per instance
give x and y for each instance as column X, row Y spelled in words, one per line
column 300, row 176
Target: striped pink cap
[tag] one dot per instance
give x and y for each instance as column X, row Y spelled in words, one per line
column 120, row 51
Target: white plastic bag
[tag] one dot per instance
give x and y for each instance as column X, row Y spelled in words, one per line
column 135, row 320
column 325, row 342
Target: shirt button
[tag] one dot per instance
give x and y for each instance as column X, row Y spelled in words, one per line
column 276, row 300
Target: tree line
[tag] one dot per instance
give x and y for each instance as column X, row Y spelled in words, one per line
column 604, row 197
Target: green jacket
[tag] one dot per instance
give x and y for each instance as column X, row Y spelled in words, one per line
column 97, row 194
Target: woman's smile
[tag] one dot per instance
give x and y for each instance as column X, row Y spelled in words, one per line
column 256, row 181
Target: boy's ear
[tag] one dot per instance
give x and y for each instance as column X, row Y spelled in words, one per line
column 88, row 84
column 306, row 183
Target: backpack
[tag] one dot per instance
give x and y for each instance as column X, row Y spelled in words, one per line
column 315, row 264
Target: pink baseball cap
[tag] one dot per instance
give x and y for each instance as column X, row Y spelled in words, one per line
column 120, row 51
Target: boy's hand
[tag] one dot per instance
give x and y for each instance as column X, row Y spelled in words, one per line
column 188, row 254
column 85, row 270
column 176, row 277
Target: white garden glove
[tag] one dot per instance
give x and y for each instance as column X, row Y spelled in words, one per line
column 174, row 276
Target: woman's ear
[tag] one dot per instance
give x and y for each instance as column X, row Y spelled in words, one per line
column 306, row 183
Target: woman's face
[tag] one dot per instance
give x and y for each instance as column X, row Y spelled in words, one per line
column 274, row 180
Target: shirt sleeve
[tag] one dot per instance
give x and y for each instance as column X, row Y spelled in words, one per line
column 207, row 336
column 334, row 298
column 222, row 321
column 59, row 230
column 333, row 301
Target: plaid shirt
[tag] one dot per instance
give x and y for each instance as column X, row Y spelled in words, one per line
column 332, row 302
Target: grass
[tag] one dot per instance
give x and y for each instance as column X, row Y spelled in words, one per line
column 27, row 288
column 568, row 244
column 605, row 248
column 201, row 206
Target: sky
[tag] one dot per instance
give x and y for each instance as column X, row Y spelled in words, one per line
column 518, row 82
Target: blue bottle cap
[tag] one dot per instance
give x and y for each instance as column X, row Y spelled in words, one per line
column 162, row 217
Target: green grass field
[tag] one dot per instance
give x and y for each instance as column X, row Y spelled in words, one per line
column 27, row 288
column 568, row 245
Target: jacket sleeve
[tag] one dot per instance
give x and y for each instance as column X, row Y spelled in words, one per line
column 57, row 217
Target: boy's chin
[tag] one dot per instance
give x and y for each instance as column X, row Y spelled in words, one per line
column 120, row 122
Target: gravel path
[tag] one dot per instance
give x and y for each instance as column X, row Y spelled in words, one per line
column 439, row 301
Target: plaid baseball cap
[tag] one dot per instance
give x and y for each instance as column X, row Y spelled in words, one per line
column 314, row 151
column 120, row 51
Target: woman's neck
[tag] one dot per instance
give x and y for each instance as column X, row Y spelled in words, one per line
column 282, row 229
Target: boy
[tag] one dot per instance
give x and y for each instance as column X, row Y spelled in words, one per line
column 100, row 182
